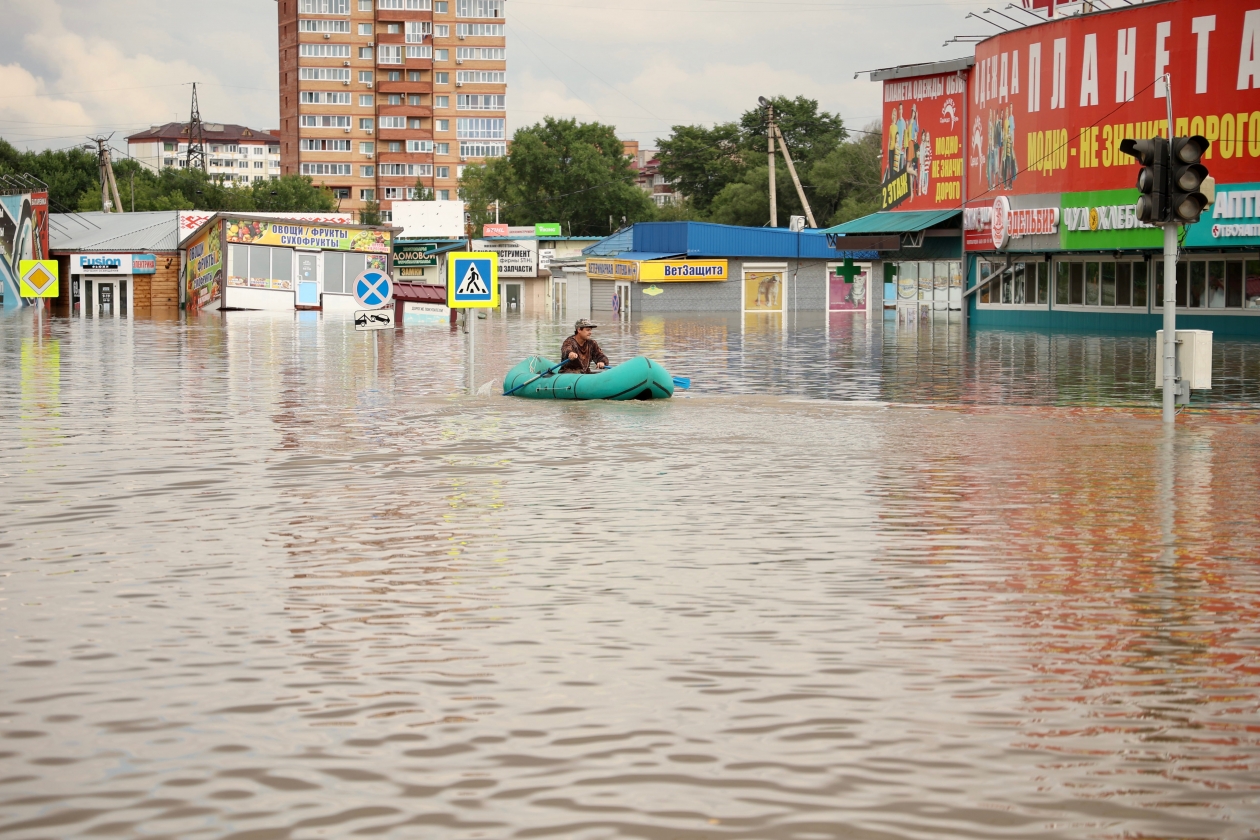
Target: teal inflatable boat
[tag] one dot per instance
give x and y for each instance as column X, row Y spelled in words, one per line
column 639, row 378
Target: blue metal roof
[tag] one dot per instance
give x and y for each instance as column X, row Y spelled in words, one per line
column 702, row 239
column 643, row 256
column 622, row 240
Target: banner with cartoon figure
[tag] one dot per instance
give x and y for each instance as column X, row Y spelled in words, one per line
column 922, row 158
column 286, row 234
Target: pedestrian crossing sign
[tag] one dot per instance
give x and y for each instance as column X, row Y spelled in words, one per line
column 472, row 280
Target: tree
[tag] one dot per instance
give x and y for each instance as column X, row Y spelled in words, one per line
column 701, row 161
column 847, row 181
column 562, row 171
column 370, row 213
column 68, row 173
column 810, row 134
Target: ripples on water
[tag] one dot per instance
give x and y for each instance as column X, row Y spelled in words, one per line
column 262, row 581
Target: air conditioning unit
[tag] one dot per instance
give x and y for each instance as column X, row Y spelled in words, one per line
column 459, row 61
column 347, row 129
column 368, row 130
column 327, row 35
column 461, row 37
column 345, row 81
column 369, row 44
column 345, row 64
column 459, row 84
column 367, row 84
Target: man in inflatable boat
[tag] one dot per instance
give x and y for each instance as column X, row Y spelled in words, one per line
column 580, row 350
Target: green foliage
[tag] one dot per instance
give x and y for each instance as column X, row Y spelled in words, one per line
column 559, row 171
column 724, row 172
column 73, row 182
column 370, row 213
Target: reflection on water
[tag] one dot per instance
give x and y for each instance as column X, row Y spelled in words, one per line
column 271, row 578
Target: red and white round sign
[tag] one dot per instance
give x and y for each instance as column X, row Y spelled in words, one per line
column 1000, row 224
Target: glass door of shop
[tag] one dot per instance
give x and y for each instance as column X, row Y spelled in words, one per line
column 510, row 298
column 559, row 298
column 308, row 286
column 621, row 301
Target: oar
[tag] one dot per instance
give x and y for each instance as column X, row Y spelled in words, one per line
column 679, row 381
column 536, row 378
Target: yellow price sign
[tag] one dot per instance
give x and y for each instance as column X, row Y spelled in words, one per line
column 37, row 279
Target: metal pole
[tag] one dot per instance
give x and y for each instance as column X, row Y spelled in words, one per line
column 1170, row 286
column 774, row 203
column 800, row 192
column 1170, row 322
column 472, row 350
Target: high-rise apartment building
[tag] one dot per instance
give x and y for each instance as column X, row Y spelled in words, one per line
column 381, row 98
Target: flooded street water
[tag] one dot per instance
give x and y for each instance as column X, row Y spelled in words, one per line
column 273, row 578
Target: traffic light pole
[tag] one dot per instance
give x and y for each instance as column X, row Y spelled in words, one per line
column 1170, row 323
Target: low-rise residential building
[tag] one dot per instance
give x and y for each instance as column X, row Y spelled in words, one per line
column 646, row 164
column 234, row 153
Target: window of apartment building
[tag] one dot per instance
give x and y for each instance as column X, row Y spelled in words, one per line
column 392, row 194
column 481, row 77
column 394, row 76
column 368, row 194
column 443, row 195
column 365, row 53
column 325, row 169
column 365, row 29
column 365, row 77
column 366, row 100
column 393, row 29
column 414, row 76
column 398, row 169
column 367, row 148
column 323, row 74
column 410, row 5
column 393, row 122
column 441, row 148
column 170, row 161
column 481, row 102
column 420, row 52
column 366, row 171
column 389, row 54
column 323, row 7
column 479, row 8
column 415, row 99
column 441, row 55
column 365, row 123
column 443, row 172
column 1027, row 283
column 419, row 146
column 365, row 5
column 417, row 30
column 395, row 146
column 442, row 78
column 481, row 53
column 320, row 97
column 324, row 50
column 393, row 99
column 1086, row 282
column 341, row 193
column 324, row 121
column 216, row 149
column 441, row 125
column 168, row 147
column 309, row 144
column 480, row 128
column 1213, row 283
column 258, row 164
column 459, row 171
column 441, row 102
column 307, row 25
column 479, row 30
column 441, row 30
column 416, row 122
column 482, row 149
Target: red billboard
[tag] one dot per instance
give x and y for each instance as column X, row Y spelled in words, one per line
column 1049, row 105
column 922, row 161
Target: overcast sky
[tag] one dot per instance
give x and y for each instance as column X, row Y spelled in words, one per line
column 70, row 68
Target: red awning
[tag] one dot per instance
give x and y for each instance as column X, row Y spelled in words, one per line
column 419, row 293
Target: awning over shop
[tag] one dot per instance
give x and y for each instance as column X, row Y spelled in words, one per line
column 891, row 221
column 419, row 293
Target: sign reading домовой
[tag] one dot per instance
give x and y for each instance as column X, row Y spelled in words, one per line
column 415, row 254
column 1232, row 221
column 1105, row 219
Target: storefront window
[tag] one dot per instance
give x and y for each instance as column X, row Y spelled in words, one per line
column 1026, row 284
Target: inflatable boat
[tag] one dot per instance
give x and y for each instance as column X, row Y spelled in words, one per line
column 639, row 378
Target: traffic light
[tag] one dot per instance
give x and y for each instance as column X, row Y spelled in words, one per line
column 1152, row 182
column 1186, row 196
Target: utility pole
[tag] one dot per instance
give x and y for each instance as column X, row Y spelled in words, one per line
column 110, row 200
column 774, row 204
column 196, row 136
column 132, row 175
column 800, row 191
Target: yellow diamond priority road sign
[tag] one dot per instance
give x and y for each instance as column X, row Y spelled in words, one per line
column 37, row 278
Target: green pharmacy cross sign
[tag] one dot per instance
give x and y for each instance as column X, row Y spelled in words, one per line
column 848, row 271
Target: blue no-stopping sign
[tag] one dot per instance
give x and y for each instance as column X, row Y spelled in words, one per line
column 373, row 289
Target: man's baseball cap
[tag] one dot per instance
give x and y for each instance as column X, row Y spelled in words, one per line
column 584, row 322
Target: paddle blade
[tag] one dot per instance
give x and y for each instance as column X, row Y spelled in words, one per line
column 682, row 382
